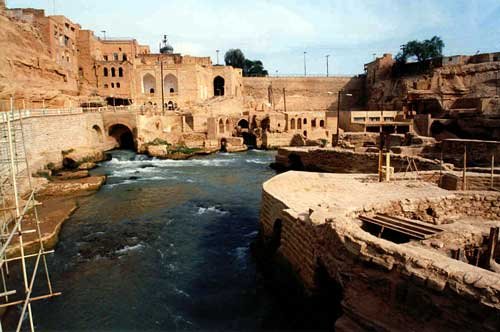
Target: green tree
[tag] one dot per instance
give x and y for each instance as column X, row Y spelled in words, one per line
column 235, row 58
column 421, row 50
column 254, row 68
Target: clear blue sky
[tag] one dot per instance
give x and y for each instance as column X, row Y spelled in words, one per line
column 279, row 31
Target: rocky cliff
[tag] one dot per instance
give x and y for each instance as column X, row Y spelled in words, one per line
column 27, row 72
column 465, row 98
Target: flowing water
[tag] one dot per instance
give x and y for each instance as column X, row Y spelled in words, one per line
column 164, row 245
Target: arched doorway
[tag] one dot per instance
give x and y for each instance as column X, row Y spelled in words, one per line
column 148, row 84
column 243, row 124
column 219, row 86
column 123, row 136
column 170, row 84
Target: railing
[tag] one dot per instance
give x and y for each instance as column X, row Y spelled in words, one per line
column 18, row 114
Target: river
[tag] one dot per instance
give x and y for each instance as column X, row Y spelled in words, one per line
column 164, row 245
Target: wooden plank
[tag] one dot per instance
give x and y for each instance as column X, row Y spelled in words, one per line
column 393, row 227
column 405, row 224
column 414, row 222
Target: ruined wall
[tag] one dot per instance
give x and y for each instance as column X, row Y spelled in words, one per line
column 302, row 93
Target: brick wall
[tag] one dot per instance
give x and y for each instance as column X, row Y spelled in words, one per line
column 303, row 93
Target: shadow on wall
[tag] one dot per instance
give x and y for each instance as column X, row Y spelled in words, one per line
column 356, row 87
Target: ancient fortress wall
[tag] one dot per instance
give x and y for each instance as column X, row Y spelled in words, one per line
column 303, row 93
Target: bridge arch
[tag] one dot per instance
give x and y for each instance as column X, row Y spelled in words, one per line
column 123, row 135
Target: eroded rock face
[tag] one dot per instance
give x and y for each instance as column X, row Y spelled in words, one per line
column 26, row 69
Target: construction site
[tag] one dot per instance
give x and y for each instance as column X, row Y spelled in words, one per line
column 22, row 249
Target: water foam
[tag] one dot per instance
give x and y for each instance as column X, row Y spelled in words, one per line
column 127, row 249
column 211, row 209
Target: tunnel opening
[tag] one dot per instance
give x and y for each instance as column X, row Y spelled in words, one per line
column 249, row 139
column 123, row 136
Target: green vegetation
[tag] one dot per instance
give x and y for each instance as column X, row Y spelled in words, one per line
column 421, row 50
column 182, row 149
column 236, row 58
column 158, row 141
column 173, row 149
column 66, row 152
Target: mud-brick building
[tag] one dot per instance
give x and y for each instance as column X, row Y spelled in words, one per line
column 126, row 73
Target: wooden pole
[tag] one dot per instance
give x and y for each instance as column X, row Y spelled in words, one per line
column 441, row 168
column 464, row 180
column 492, row 170
column 388, row 166
column 380, row 159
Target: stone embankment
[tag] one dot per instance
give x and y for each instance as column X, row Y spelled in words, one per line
column 310, row 221
column 337, row 160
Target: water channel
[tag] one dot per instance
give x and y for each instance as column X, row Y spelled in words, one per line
column 164, row 245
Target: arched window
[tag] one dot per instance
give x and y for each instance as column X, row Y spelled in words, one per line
column 313, row 123
column 170, row 83
column 292, row 124
column 221, row 126
column 170, row 106
column 120, row 72
column 118, row 84
column 105, row 72
column 322, row 123
column 112, row 85
column 97, row 134
column 106, row 86
column 113, row 72
column 219, row 86
column 124, row 57
column 299, row 123
column 305, row 121
column 305, row 133
column 228, row 126
column 148, row 84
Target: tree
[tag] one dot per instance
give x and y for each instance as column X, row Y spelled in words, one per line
column 234, row 58
column 421, row 50
column 254, row 68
